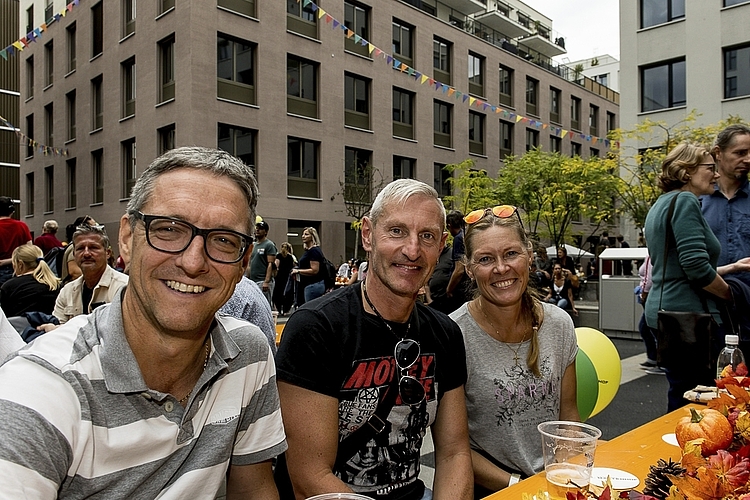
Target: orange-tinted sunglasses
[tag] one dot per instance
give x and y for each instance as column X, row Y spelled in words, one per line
column 499, row 211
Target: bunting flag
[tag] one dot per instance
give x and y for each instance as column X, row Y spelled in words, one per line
column 36, row 33
column 28, row 141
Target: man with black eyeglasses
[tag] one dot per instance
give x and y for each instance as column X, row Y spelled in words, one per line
column 154, row 395
column 364, row 371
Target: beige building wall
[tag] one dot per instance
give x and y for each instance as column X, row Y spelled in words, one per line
column 196, row 110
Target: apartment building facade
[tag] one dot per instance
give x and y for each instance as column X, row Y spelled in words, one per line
column 9, row 104
column 303, row 100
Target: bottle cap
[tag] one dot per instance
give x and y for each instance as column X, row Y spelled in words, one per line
column 731, row 340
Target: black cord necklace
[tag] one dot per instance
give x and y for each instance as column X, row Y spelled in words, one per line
column 377, row 313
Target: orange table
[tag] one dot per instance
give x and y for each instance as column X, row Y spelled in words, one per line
column 633, row 452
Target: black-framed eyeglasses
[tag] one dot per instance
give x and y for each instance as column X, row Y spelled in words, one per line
column 406, row 353
column 171, row 235
column 712, row 166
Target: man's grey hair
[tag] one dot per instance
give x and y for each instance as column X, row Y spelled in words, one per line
column 51, row 226
column 398, row 192
column 214, row 161
column 86, row 230
column 726, row 136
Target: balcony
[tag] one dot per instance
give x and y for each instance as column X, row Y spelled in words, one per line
column 498, row 20
column 545, row 42
column 467, row 6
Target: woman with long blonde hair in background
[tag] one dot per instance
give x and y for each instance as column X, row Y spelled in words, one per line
column 34, row 287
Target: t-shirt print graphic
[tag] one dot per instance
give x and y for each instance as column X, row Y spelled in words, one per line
column 520, row 391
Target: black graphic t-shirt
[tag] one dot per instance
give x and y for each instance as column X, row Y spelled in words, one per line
column 333, row 347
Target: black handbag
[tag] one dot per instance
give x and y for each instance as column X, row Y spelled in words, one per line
column 684, row 338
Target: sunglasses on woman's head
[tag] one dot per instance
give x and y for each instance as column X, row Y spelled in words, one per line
column 499, row 211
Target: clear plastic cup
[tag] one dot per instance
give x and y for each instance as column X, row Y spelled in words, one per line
column 568, row 449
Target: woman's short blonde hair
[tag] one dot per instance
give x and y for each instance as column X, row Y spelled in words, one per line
column 679, row 163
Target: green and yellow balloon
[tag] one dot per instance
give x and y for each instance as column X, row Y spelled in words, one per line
column 598, row 371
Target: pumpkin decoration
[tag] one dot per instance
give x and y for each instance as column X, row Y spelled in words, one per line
column 709, row 425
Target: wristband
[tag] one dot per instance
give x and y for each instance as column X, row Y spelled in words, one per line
column 514, row 478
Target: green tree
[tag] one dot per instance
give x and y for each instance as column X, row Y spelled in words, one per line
column 641, row 151
column 553, row 190
column 471, row 188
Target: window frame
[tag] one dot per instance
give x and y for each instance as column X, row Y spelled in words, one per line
column 402, row 31
column 301, row 19
column 70, row 116
column 476, row 74
column 441, row 59
column 49, row 64
column 476, row 138
column 128, row 88
column 594, row 120
column 532, row 138
column 555, row 104
column 673, row 101
column 300, row 103
column 403, row 119
column 49, row 124
column 166, row 138
column 236, row 51
column 129, row 166
column 672, row 14
column 442, row 120
column 399, row 162
column 71, row 183
column 356, row 106
column 97, row 177
column 70, row 38
column 303, row 186
column 97, row 103
column 357, row 161
column 357, row 19
column 49, row 189
column 167, row 84
column 506, row 139
column 505, row 82
column 234, row 142
column 532, row 96
column 128, row 17
column 575, row 113
column 741, row 87
column 97, row 29
column 30, row 194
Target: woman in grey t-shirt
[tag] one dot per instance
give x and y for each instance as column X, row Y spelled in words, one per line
column 520, row 353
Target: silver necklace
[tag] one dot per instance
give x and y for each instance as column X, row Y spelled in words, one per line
column 205, row 364
column 377, row 313
column 515, row 351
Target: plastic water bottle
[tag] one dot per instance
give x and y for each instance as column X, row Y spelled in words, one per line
column 730, row 355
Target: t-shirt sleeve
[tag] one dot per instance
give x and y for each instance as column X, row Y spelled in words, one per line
column 453, row 368
column 308, row 356
column 271, row 250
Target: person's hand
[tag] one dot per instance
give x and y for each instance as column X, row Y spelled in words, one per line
column 265, row 286
column 742, row 265
column 47, row 327
column 575, row 311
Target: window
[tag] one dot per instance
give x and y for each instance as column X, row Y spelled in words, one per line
column 357, row 187
column 611, row 122
column 128, row 88
column 302, row 168
column 97, row 104
column 70, row 100
column 575, row 149
column 301, row 18
column 506, row 139
column 575, row 113
column 165, row 5
column 30, row 193
column 97, row 29
column 129, row 171
column 593, row 153
column 49, row 125
column 402, row 42
column 476, row 133
column 441, row 180
column 30, row 135
column 403, row 117
column 356, row 19
column 441, row 60
column 48, row 11
column 729, row 3
column 593, row 120
column 442, row 124
column 49, row 64
column 71, row 184
column 532, row 97
column 555, row 144
column 30, row 19
column 70, row 35
column 237, row 141
column 244, row 7
column 301, row 87
column 602, row 79
column 655, row 12
column 166, row 69
column 128, row 17
column 404, row 168
column 356, row 101
column 166, row 138
column 30, row 77
column 49, row 189
column 235, row 69
column 506, row 86
column 554, row 105
column 736, row 76
column 663, row 86
column 532, row 139
column 97, row 176
column 476, row 70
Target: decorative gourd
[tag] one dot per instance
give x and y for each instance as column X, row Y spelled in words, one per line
column 710, row 425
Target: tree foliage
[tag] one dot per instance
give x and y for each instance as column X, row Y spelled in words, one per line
column 472, row 188
column 553, row 190
column 641, row 151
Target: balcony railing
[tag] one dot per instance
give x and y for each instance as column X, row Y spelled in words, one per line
column 501, row 40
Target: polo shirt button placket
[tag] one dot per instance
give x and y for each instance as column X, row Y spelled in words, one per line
column 169, row 406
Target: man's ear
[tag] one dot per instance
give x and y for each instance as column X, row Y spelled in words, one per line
column 366, row 234
column 125, row 239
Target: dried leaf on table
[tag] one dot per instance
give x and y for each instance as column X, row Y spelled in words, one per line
column 705, row 485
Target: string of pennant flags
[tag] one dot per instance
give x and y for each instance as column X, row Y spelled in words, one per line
column 28, row 141
column 36, row 33
column 444, row 88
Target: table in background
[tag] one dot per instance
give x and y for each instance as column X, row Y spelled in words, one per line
column 634, row 452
